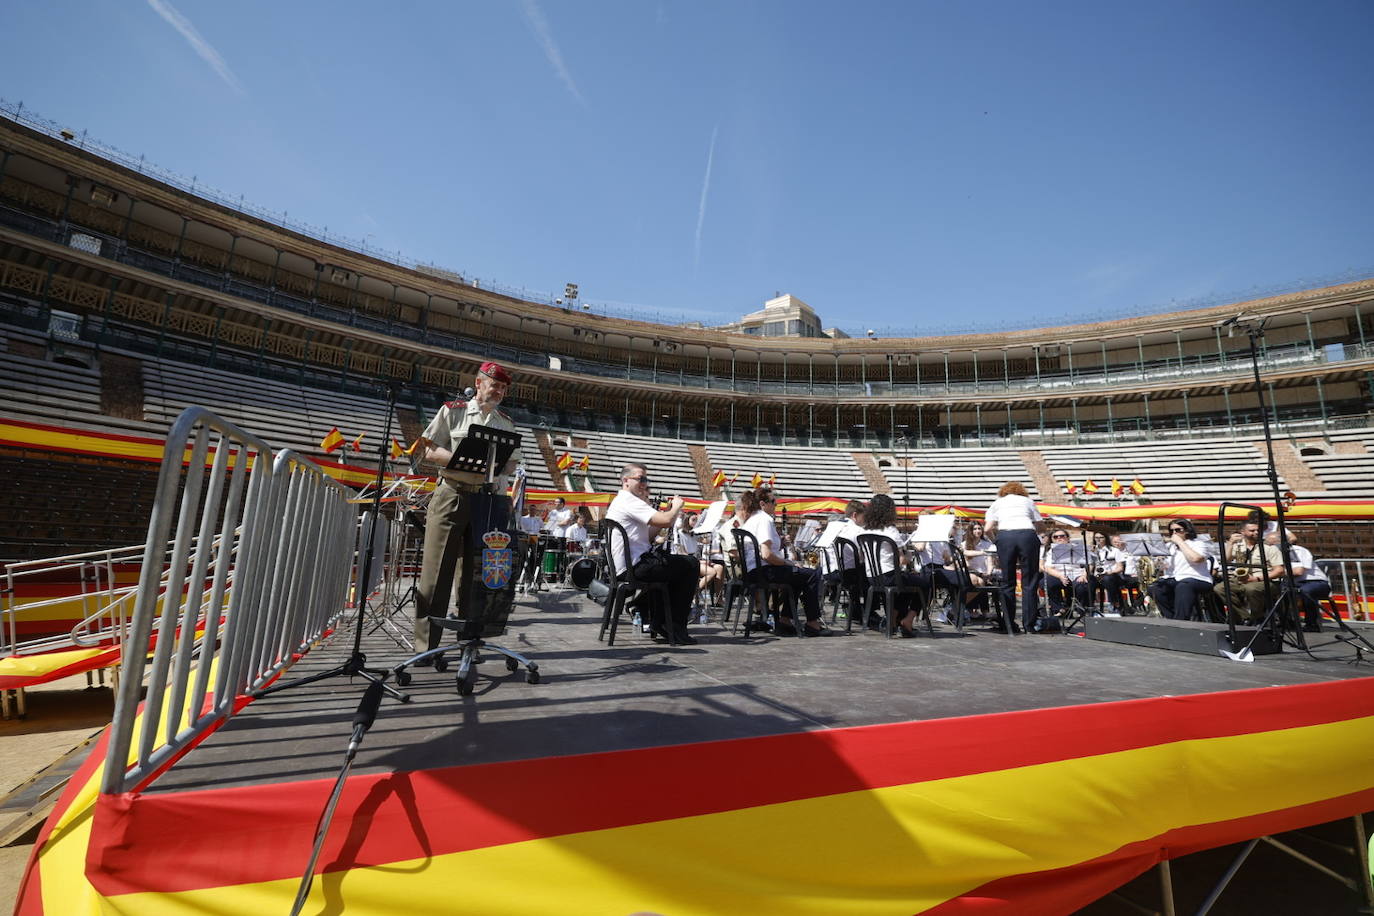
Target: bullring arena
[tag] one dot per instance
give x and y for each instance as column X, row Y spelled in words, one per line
column 173, row 365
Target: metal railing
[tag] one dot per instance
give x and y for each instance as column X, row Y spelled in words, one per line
column 96, row 594
column 277, row 529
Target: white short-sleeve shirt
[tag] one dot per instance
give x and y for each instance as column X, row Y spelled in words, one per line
column 1012, row 512
column 635, row 515
column 761, row 526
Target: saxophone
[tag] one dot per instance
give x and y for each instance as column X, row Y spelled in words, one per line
column 1240, row 560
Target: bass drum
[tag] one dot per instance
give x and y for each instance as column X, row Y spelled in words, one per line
column 582, row 572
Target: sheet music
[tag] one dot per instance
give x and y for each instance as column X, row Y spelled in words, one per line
column 932, row 528
column 832, row 531
column 709, row 520
column 806, row 537
column 1070, row 553
column 1146, row 544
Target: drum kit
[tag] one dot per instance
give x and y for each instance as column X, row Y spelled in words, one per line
column 559, row 561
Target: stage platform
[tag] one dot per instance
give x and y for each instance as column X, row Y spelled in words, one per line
column 945, row 773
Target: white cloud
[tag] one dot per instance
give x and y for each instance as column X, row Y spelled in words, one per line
column 534, row 18
column 197, row 42
column 705, row 189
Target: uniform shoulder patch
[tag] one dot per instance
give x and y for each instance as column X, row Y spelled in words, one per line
column 456, row 405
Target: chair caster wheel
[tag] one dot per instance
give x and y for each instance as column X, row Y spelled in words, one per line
column 403, row 678
column 512, row 664
column 531, row 677
column 440, row 664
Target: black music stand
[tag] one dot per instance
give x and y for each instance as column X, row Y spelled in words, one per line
column 481, row 452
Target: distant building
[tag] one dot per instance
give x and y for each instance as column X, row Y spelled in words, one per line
column 785, row 316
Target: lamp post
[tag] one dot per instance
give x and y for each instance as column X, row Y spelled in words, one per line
column 904, row 438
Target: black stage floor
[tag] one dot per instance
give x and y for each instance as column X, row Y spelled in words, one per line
column 638, row 694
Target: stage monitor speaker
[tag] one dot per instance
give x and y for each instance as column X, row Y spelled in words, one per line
column 1177, row 635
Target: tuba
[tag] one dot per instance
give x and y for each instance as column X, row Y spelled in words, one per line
column 1146, row 573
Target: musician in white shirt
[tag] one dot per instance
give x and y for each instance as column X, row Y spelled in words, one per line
column 1312, row 581
column 1119, row 572
column 771, row 564
column 558, row 518
column 1063, row 578
column 1012, row 522
column 881, row 518
column 1188, row 574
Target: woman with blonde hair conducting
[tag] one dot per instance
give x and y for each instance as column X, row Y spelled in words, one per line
column 1012, row 521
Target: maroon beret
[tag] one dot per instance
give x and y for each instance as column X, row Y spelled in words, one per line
column 495, row 372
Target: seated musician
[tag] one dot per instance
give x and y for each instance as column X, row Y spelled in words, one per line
column 929, row 563
column 850, row 574
column 980, row 554
column 1187, row 574
column 881, row 518
column 805, row 581
column 576, row 532
column 1120, row 573
column 1311, row 579
column 641, row 520
column 1063, row 579
column 1247, row 556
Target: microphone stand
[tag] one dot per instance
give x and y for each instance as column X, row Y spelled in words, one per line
column 356, row 663
column 362, row 721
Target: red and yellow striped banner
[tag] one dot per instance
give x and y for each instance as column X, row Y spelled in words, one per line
column 1034, row 811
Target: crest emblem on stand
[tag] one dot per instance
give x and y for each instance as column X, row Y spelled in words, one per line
column 497, row 561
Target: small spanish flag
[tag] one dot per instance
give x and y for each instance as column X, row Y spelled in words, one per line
column 1137, row 487
column 758, row 479
column 1089, row 486
column 332, row 440
column 565, row 461
column 733, row 477
column 585, row 463
column 357, row 444
column 1116, row 487
column 1069, row 488
column 772, row 479
column 717, row 478
column 396, row 450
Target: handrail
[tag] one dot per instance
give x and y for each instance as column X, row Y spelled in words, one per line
column 289, row 566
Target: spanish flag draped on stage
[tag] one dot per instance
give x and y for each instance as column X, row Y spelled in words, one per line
column 332, row 440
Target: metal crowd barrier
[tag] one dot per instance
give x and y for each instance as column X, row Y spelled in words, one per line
column 210, row 604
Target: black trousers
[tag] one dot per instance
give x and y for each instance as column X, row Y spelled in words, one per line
column 680, row 573
column 805, row 582
column 1178, row 598
column 1020, row 549
column 1058, row 591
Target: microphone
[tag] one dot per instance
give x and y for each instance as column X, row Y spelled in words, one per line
column 366, row 715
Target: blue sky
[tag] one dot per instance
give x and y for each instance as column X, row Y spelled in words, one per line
column 906, row 166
